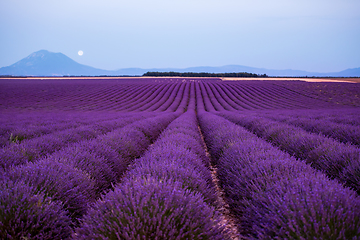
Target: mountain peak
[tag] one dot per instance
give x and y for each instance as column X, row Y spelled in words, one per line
column 43, row 51
column 45, row 54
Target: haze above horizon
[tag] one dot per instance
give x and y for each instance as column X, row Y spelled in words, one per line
column 319, row 36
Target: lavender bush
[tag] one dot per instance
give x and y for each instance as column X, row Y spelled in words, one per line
column 179, row 165
column 150, row 209
column 94, row 166
column 25, row 214
column 73, row 187
column 97, row 148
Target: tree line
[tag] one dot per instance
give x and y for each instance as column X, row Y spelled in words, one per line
column 202, row 74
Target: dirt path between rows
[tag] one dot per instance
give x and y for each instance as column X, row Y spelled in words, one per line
column 228, row 220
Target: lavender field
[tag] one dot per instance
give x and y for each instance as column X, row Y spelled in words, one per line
column 179, row 158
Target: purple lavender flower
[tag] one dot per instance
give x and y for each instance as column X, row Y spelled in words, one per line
column 28, row 214
column 62, row 182
column 150, row 209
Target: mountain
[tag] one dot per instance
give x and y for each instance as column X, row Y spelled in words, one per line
column 350, row 72
column 45, row 63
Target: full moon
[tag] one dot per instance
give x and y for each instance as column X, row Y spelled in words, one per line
column 80, row 53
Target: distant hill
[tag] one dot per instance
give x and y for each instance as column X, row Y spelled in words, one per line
column 45, row 63
column 355, row 72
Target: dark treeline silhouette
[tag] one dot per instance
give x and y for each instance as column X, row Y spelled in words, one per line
column 202, row 74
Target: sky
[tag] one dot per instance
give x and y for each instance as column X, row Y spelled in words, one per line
column 310, row 35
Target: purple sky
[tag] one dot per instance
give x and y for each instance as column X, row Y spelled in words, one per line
column 311, row 35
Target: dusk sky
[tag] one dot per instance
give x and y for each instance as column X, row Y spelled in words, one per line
column 310, row 35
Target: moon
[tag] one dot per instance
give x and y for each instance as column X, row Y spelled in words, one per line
column 80, row 53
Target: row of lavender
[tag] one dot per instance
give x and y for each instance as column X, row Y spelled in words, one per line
column 56, row 190
column 35, row 148
column 339, row 93
column 65, row 94
column 45, row 198
column 233, row 96
column 272, row 195
column 344, row 125
column 39, row 187
column 16, row 127
column 167, row 194
column 22, row 142
column 152, row 95
column 337, row 160
column 45, row 193
column 142, row 97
